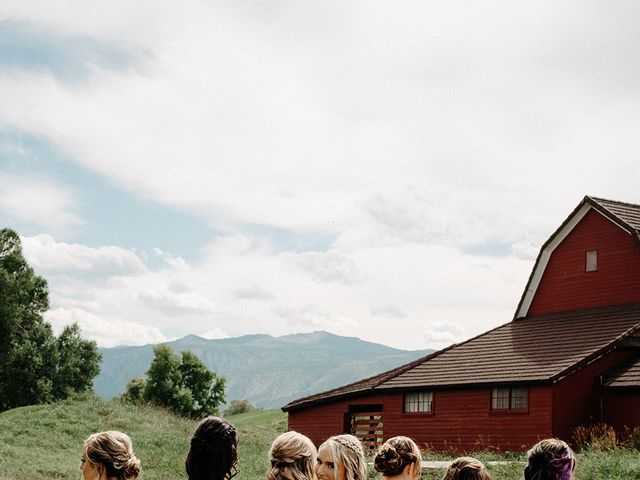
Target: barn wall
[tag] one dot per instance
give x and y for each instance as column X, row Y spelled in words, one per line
column 462, row 420
column 577, row 398
column 321, row 422
column 565, row 285
column 622, row 409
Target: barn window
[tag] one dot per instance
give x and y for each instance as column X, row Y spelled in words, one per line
column 509, row 398
column 591, row 261
column 418, row 402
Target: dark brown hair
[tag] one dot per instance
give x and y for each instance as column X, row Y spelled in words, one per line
column 214, row 451
column 467, row 468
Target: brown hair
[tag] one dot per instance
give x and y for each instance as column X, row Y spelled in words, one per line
column 213, row 454
column 395, row 454
column 467, row 468
column 113, row 451
column 292, row 457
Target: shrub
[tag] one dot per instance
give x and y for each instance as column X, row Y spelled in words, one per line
column 597, row 437
column 239, row 406
column 631, row 438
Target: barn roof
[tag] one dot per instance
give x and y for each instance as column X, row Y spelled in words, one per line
column 625, row 375
column 544, row 349
column 625, row 215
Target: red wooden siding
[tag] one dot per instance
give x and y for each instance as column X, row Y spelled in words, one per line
column 622, row 409
column 577, row 397
column 461, row 420
column 321, row 422
column 566, row 286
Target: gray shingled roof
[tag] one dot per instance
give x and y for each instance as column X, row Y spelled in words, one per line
column 542, row 349
column 626, row 375
column 628, row 213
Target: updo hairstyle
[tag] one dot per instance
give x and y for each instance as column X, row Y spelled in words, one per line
column 292, row 457
column 348, row 450
column 395, row 454
column 550, row 459
column 112, row 450
column 213, row 454
column 467, row 468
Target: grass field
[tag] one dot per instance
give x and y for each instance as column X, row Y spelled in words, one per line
column 45, row 442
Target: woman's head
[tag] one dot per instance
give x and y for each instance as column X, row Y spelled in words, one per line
column 213, row 454
column 292, row 457
column 341, row 458
column 550, row 459
column 398, row 456
column 109, row 455
column 467, row 468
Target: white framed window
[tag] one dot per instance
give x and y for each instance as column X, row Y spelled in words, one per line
column 591, row 261
column 418, row 402
column 509, row 398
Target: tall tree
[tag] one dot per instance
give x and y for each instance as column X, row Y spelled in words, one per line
column 28, row 353
column 78, row 363
column 35, row 367
column 207, row 389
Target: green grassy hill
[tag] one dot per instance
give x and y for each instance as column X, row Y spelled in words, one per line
column 45, row 441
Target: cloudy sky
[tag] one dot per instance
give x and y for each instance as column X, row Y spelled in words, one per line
column 387, row 170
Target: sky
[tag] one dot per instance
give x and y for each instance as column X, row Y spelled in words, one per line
column 385, row 170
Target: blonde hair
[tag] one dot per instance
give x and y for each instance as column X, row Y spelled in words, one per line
column 347, row 449
column 292, row 457
column 113, row 451
column 550, row 459
column 395, row 454
column 467, row 468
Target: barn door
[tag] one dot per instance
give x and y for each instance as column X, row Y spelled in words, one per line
column 367, row 425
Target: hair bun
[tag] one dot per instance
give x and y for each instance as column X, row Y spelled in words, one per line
column 131, row 468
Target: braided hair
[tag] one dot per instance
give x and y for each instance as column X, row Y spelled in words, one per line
column 213, row 454
column 467, row 468
column 347, row 449
column 292, row 457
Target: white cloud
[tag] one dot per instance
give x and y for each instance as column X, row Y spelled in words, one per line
column 176, row 303
column 438, row 145
column 39, row 202
column 440, row 334
column 107, row 332
column 214, row 334
column 49, row 257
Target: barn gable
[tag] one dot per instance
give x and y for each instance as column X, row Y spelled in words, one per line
column 562, row 279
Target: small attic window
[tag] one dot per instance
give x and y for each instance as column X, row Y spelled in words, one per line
column 592, row 261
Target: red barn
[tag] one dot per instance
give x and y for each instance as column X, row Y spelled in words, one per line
column 570, row 356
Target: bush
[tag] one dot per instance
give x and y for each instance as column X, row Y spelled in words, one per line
column 184, row 386
column 630, row 438
column 597, row 437
column 135, row 391
column 239, row 406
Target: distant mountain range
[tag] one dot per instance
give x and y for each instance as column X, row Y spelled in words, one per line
column 268, row 371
